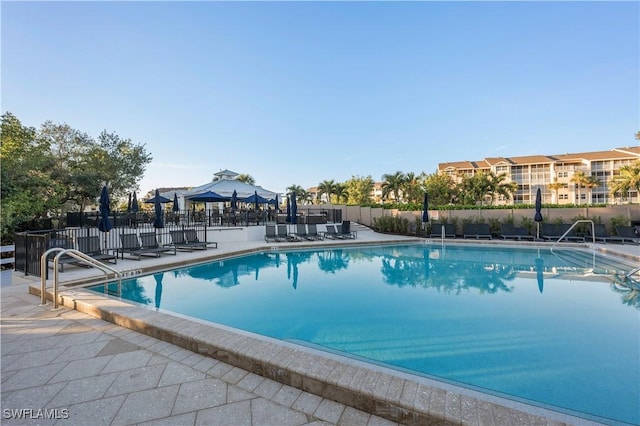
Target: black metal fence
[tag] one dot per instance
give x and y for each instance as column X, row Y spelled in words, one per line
column 31, row 245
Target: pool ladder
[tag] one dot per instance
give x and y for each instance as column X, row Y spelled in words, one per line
column 76, row 254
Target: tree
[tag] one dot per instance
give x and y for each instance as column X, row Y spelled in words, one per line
column 25, row 175
column 497, row 185
column 412, row 189
column 248, row 179
column 441, row 189
column 359, row 190
column 393, row 184
column 581, row 180
column 555, row 186
column 327, row 187
column 627, row 180
column 341, row 192
column 473, row 189
column 302, row 195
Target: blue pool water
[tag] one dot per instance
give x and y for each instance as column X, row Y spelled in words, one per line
column 530, row 325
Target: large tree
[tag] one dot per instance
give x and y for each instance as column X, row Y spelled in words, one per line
column 58, row 168
column 327, row 187
column 627, row 180
column 359, row 190
column 441, row 189
column 392, row 184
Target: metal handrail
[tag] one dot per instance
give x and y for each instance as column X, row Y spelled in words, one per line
column 593, row 231
column 76, row 254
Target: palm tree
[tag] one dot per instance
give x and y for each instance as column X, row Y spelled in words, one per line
column 590, row 183
column 393, row 184
column 341, row 192
column 301, row 194
column 246, row 179
column 581, row 179
column 412, row 188
column 555, row 186
column 327, row 187
column 497, row 185
column 627, row 180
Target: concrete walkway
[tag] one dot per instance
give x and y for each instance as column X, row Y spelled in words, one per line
column 65, row 367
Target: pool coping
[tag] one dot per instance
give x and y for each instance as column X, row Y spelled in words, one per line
column 382, row 391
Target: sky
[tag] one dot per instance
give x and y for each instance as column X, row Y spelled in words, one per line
column 295, row 93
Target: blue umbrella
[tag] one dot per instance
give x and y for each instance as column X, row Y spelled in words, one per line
column 294, row 209
column 208, row 197
column 105, row 210
column 176, row 207
column 134, row 204
column 159, row 221
column 277, row 203
column 129, row 204
column 255, row 201
column 425, row 209
column 538, row 215
column 159, row 197
column 234, row 201
column 288, row 210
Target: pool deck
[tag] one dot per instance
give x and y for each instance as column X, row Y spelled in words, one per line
column 100, row 361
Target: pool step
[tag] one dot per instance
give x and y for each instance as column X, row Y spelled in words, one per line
column 603, row 265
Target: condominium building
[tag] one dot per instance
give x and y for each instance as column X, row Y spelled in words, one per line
column 541, row 171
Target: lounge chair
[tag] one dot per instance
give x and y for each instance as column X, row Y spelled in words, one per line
column 301, row 232
column 91, row 247
column 333, row 234
column 628, row 234
column 180, row 243
column 192, row 238
column 149, row 242
column 65, row 243
column 283, row 234
column 313, row 232
column 270, row 234
column 345, row 229
column 553, row 232
column 131, row 246
column 449, row 230
column 477, row 230
column 510, row 232
column 602, row 235
column 341, row 230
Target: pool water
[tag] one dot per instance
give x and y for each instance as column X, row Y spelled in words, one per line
column 524, row 324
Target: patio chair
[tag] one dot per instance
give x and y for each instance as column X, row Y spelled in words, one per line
column 333, row 234
column 192, row 238
column 313, row 232
column 449, row 230
column 65, row 243
column 283, row 234
column 477, row 231
column 149, row 242
column 91, row 247
column 270, row 234
column 131, row 246
column 301, row 232
column 180, row 243
column 346, row 233
column 519, row 233
column 601, row 234
column 549, row 231
column 628, row 233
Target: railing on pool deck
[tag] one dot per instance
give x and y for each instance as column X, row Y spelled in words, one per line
column 76, row 254
column 593, row 231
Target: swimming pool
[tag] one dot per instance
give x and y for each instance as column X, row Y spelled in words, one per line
column 526, row 324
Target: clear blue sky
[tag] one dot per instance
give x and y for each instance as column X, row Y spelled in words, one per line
column 298, row 92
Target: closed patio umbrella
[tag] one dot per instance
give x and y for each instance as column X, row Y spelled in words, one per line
column 176, row 207
column 134, row 204
column 425, row 209
column 105, row 210
column 288, row 210
column 234, row 201
column 294, row 209
column 538, row 215
column 159, row 220
column 129, row 204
